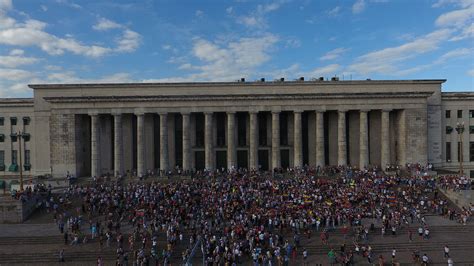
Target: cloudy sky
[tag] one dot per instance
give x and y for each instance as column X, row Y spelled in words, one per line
column 72, row 41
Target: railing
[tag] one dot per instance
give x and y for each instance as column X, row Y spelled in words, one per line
column 193, row 251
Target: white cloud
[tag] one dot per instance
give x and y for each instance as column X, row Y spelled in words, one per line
column 334, row 54
column 471, row 72
column 231, row 60
column 14, row 74
column 334, row 12
column 105, row 24
column 292, row 43
column 453, row 54
column 461, row 3
column 324, row 71
column 15, row 58
column 229, row 10
column 385, row 61
column 257, row 18
column 5, row 5
column 32, row 33
column 69, row 3
column 129, row 41
column 166, row 47
column 44, row 8
column 358, row 6
column 457, row 18
column 467, row 32
column 199, row 13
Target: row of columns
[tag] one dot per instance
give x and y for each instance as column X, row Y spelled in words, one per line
column 231, row 145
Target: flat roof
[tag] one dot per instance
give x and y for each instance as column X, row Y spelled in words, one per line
column 235, row 83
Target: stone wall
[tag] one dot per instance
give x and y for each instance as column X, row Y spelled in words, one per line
column 63, row 144
column 16, row 211
column 416, row 135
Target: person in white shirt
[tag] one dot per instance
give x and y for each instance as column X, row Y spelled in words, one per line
column 446, row 251
column 450, row 262
column 425, row 259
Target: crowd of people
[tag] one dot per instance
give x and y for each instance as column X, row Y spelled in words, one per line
column 236, row 216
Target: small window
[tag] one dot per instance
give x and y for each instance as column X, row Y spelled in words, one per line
column 27, row 164
column 471, row 151
column 448, row 113
column 26, row 120
column 449, row 129
column 471, row 113
column 26, row 136
column 14, row 157
column 2, row 121
column 2, row 137
column 459, row 113
column 14, row 137
column 13, row 121
column 471, row 129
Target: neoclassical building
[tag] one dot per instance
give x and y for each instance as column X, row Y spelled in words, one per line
column 93, row 129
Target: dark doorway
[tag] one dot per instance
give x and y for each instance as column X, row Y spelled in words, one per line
column 178, row 140
column 199, row 159
column 221, row 159
column 304, row 128
column 242, row 159
column 285, row 158
column 263, row 159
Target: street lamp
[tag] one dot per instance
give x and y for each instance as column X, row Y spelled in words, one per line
column 460, row 130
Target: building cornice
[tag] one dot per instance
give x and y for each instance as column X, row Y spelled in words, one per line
column 457, row 96
column 17, row 102
column 236, row 97
column 238, row 84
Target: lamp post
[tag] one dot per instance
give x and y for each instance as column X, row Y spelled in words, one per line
column 20, row 135
column 460, row 130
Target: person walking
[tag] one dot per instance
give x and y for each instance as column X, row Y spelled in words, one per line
column 305, row 256
column 61, row 255
column 446, row 251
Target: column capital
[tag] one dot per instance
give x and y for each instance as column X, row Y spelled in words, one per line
column 297, row 111
column 208, row 113
column 253, row 112
column 139, row 113
column 342, row 110
column 116, row 114
column 185, row 113
column 364, row 110
column 386, row 110
column 93, row 113
column 320, row 111
column 276, row 112
column 231, row 112
column 162, row 113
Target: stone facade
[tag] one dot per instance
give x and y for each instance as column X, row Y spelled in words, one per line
column 93, row 129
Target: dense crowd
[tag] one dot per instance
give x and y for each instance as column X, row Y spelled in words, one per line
column 236, row 216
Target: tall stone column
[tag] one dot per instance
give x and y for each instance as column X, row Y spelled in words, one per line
column 186, row 141
column 276, row 159
column 385, row 139
column 253, row 150
column 164, row 156
column 231, row 151
column 95, row 145
column 118, row 145
column 208, row 141
column 341, row 138
column 364, row 139
column 320, row 160
column 140, row 144
column 298, row 141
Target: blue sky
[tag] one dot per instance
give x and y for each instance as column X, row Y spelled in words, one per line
column 73, row 41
